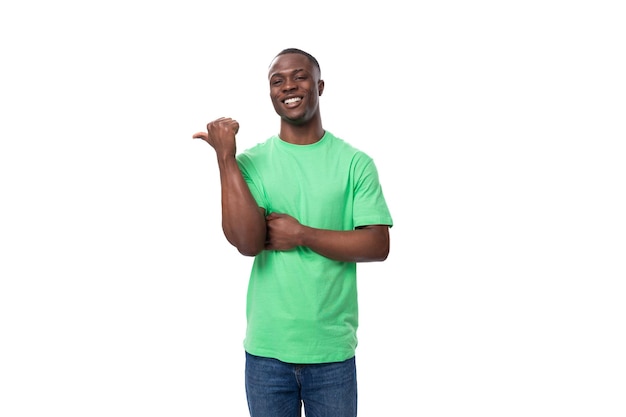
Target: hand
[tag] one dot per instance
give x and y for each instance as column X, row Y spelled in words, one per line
column 220, row 135
column 283, row 232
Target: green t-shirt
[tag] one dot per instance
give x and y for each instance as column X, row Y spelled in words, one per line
column 301, row 306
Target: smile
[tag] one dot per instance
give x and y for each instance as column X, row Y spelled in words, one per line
column 292, row 100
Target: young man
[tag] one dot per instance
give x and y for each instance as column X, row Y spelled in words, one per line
column 308, row 206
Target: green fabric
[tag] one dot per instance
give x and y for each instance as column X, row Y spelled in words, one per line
column 301, row 306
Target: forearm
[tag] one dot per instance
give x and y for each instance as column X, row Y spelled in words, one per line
column 367, row 244
column 243, row 222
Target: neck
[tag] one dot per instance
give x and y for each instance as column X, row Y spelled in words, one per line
column 304, row 134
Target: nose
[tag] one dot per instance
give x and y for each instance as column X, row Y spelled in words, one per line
column 289, row 85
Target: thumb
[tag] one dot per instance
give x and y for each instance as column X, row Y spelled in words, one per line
column 200, row 135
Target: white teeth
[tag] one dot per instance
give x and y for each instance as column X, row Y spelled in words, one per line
column 292, row 100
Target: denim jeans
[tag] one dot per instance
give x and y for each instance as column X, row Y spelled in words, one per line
column 279, row 389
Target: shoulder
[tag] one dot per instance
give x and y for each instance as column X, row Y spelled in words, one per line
column 255, row 151
column 345, row 146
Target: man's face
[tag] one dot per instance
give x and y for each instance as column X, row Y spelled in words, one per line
column 295, row 87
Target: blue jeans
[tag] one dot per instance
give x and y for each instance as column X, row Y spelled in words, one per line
column 278, row 389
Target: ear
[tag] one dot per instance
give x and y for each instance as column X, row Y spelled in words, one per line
column 320, row 86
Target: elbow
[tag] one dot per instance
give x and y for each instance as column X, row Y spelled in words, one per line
column 377, row 254
column 383, row 250
column 251, row 251
column 379, row 244
column 249, row 243
column 249, row 247
column 382, row 256
column 384, row 247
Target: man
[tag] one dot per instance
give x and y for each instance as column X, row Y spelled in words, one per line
column 308, row 206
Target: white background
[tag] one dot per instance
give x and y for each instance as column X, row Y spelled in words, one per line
column 498, row 131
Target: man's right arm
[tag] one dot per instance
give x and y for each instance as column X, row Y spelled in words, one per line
column 243, row 221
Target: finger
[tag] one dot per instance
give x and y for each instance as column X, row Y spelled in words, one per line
column 215, row 122
column 221, row 120
column 201, row 135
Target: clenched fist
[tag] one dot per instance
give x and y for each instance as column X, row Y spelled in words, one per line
column 220, row 135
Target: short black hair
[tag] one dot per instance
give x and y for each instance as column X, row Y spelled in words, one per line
column 310, row 57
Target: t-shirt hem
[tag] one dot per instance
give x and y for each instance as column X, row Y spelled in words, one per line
column 304, row 359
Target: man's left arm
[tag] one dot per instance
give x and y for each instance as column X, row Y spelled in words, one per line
column 363, row 244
